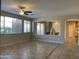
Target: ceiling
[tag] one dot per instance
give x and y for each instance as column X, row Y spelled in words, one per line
column 42, row 8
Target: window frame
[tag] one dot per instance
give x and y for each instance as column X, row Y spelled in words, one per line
column 4, row 33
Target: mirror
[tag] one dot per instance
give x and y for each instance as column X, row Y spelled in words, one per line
column 47, row 28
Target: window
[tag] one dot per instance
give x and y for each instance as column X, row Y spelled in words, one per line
column 2, row 25
column 26, row 26
column 10, row 25
column 40, row 28
column 17, row 25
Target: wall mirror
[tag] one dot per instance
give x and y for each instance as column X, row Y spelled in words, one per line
column 47, row 28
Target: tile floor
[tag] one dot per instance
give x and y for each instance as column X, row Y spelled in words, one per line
column 39, row 50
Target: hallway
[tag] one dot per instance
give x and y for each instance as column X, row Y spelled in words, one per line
column 39, row 50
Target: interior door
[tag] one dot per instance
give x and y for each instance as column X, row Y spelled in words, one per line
column 71, row 37
column 78, row 32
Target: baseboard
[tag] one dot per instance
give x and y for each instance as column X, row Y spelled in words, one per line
column 50, row 41
column 8, row 44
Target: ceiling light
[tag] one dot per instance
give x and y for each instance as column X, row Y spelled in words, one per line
column 21, row 12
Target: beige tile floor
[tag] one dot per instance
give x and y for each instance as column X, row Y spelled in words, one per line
column 39, row 50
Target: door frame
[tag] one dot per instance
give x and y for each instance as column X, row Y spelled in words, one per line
column 66, row 30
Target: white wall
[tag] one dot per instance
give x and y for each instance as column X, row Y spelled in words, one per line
column 14, row 38
column 51, row 38
column 57, row 39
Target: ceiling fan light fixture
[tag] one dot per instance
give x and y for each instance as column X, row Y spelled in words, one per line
column 21, row 12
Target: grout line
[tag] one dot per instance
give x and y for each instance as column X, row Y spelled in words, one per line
column 51, row 52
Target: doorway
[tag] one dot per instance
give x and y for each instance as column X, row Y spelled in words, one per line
column 72, row 29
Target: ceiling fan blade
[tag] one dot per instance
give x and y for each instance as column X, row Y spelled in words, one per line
column 27, row 12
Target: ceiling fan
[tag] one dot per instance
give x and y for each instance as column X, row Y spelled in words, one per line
column 22, row 11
